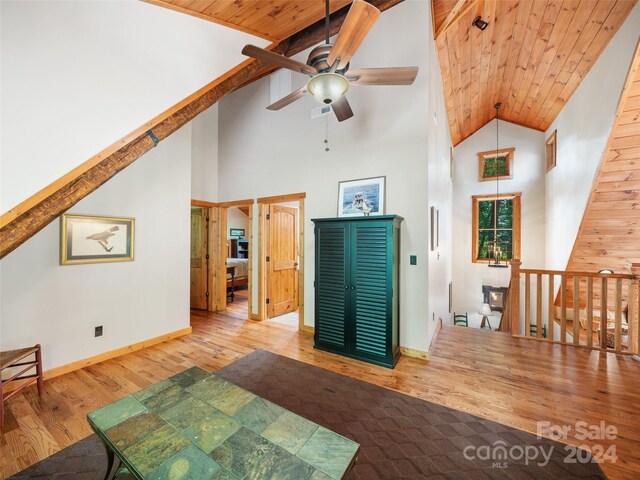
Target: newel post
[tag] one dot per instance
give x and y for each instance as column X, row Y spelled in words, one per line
column 634, row 310
column 514, row 296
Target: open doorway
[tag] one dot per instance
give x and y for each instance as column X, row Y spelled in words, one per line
column 235, row 258
column 202, row 260
column 281, row 255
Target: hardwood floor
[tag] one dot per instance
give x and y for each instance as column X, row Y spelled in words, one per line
column 515, row 382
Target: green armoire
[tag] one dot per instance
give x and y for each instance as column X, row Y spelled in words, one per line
column 357, row 308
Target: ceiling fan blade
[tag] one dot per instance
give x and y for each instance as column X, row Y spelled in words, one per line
column 342, row 109
column 383, row 76
column 361, row 17
column 292, row 97
column 280, row 60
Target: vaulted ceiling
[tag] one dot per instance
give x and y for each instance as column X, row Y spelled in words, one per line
column 531, row 57
column 273, row 20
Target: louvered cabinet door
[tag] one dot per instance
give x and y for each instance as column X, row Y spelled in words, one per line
column 371, row 290
column 332, row 293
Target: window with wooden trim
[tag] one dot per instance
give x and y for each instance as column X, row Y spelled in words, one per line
column 492, row 165
column 496, row 215
column 550, row 151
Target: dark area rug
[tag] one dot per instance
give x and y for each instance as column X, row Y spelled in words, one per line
column 401, row 437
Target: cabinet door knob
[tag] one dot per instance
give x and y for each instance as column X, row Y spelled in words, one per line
column 352, row 287
column 346, row 287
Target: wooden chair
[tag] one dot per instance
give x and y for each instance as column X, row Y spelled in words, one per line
column 533, row 331
column 460, row 319
column 16, row 358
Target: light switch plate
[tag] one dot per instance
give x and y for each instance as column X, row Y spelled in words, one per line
column 413, row 259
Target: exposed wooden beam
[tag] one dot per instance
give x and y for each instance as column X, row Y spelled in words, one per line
column 29, row 217
column 459, row 9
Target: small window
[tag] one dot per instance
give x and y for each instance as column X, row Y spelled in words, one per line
column 496, row 216
column 492, row 165
column 550, row 154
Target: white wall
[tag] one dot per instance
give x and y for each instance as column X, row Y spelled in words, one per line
column 204, row 155
column 583, row 129
column 439, row 193
column 263, row 153
column 528, row 178
column 237, row 219
column 59, row 306
column 79, row 75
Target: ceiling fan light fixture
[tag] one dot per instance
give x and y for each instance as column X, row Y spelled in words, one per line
column 328, row 87
column 479, row 23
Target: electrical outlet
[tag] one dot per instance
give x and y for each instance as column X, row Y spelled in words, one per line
column 98, row 331
column 413, row 259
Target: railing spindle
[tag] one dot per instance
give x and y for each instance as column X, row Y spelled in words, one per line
column 515, row 296
column 539, row 305
column 603, row 314
column 634, row 310
column 563, row 309
column 618, row 303
column 527, row 305
column 551, row 320
column 589, row 311
column 576, row 310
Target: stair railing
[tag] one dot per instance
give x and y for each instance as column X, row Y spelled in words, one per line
column 583, row 309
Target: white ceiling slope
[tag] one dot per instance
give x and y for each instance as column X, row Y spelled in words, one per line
column 78, row 76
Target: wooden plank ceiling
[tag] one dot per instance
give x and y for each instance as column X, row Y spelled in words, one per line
column 531, row 57
column 273, row 20
column 609, row 235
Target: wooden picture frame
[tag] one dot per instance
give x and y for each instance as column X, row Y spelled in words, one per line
column 362, row 197
column 435, row 228
column 93, row 239
column 236, row 232
column 550, row 151
column 486, row 162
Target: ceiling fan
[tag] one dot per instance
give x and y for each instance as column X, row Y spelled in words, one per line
column 328, row 64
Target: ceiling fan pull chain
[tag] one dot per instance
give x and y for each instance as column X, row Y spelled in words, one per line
column 326, row 134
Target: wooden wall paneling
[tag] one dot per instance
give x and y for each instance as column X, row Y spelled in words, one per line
column 583, row 44
column 616, row 17
column 251, row 253
column 484, row 115
column 522, row 65
column 533, row 56
column 609, row 233
column 539, row 45
column 456, row 76
column 522, row 17
column 213, row 258
column 566, row 41
column 443, row 54
column 221, row 302
column 198, row 8
column 505, row 21
column 263, row 210
column 475, row 65
column 561, row 23
column 301, row 325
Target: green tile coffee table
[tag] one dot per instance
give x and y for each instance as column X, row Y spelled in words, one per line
column 198, row 426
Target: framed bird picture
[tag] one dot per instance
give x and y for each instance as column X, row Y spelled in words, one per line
column 90, row 239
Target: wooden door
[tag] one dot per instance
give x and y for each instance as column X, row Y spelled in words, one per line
column 282, row 267
column 199, row 263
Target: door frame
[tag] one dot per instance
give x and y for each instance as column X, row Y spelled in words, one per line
column 263, row 208
column 212, row 245
column 221, row 297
